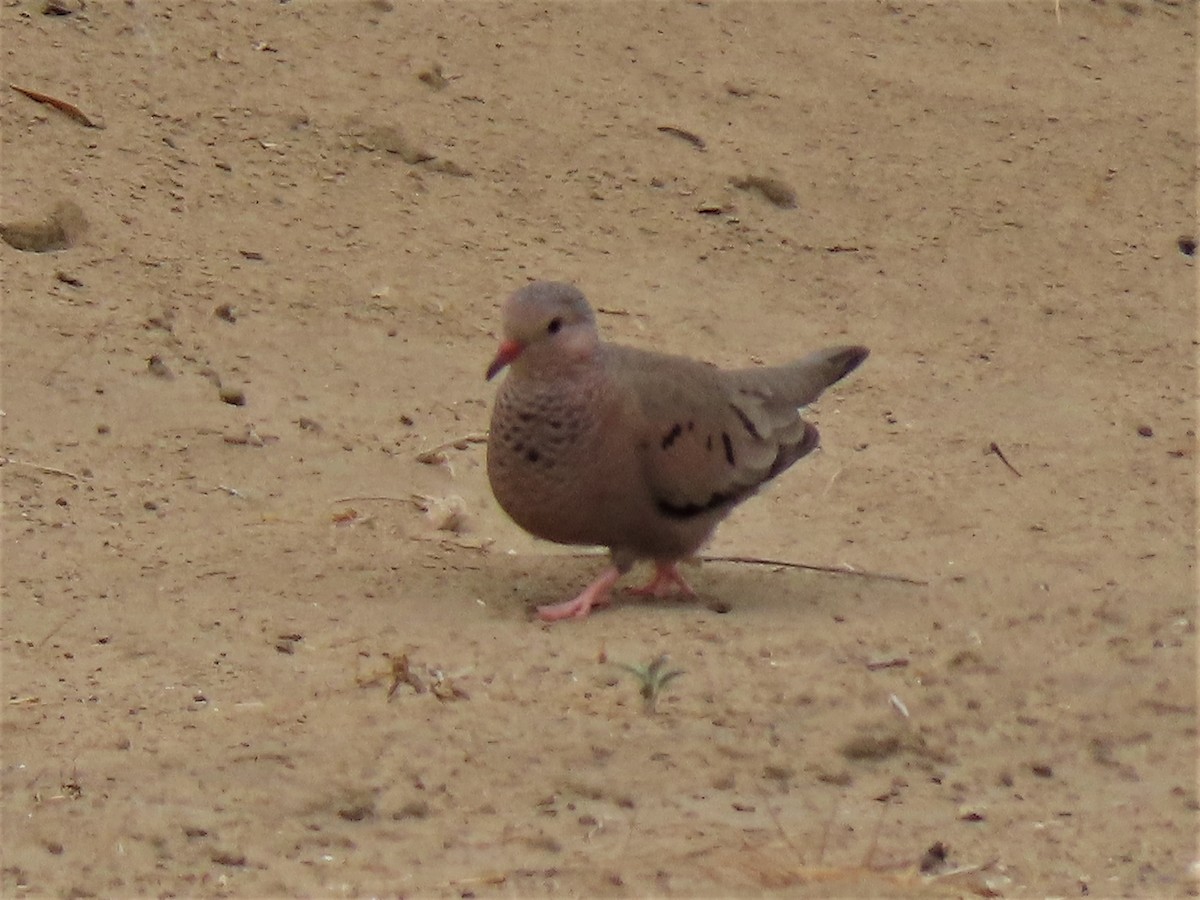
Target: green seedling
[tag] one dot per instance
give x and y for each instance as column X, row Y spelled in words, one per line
column 653, row 677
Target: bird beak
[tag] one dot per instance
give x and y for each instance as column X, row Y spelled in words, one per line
column 509, row 350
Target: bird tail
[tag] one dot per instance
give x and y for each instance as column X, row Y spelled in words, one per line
column 770, row 399
column 802, row 382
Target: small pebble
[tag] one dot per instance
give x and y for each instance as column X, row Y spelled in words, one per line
column 233, row 396
column 774, row 190
column 159, row 369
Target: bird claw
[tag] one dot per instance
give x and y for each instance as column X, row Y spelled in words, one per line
column 578, row 608
column 594, row 595
column 665, row 582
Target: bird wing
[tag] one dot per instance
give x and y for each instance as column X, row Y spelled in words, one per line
column 706, row 438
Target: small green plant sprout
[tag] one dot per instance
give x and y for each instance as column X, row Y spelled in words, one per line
column 653, row 677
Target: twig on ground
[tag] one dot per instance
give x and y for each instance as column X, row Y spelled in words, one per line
column 843, row 569
column 690, row 136
column 893, row 662
column 55, row 630
column 829, row 487
column 907, row 876
column 68, row 109
column 50, row 470
column 371, row 499
column 993, row 447
column 869, row 861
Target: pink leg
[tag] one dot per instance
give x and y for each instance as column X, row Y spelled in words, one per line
column 666, row 581
column 595, row 594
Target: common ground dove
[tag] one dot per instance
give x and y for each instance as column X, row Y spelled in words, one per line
column 640, row 452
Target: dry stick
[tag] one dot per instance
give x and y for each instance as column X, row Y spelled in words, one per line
column 895, row 662
column 874, row 845
column 867, row 863
column 843, row 569
column 993, row 447
column 779, row 826
column 55, row 630
column 5, row 460
column 629, row 834
column 833, row 570
column 69, row 109
column 825, row 832
column 365, row 499
column 691, row 137
column 829, row 487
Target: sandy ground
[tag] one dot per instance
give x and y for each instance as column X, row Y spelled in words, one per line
column 254, row 643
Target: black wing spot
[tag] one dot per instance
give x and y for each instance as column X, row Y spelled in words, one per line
column 532, row 455
column 672, row 436
column 691, row 426
column 708, row 444
column 746, row 423
column 728, row 442
column 690, row 510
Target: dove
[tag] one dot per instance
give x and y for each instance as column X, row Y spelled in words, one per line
column 600, row 444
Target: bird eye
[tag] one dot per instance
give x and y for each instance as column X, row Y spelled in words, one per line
column 555, row 326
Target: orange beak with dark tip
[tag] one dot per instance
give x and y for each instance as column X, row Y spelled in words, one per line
column 509, row 350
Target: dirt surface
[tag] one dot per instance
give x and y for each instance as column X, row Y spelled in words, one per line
column 255, row 644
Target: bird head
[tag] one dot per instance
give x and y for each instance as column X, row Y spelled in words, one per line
column 548, row 326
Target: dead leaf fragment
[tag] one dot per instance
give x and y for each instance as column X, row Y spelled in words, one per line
column 444, row 513
column 433, row 77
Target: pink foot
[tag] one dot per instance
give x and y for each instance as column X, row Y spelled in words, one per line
column 595, row 594
column 666, row 581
